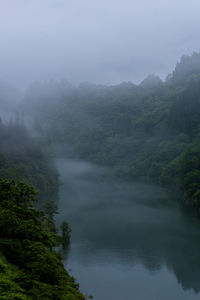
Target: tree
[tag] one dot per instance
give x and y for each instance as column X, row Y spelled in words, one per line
column 66, row 230
column 27, row 241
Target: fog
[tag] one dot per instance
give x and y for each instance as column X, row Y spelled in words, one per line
column 72, row 73
column 98, row 41
column 10, row 99
column 127, row 234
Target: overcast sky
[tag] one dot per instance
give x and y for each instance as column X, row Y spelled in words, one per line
column 101, row 41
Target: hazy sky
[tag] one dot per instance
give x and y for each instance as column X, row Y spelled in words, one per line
column 102, row 41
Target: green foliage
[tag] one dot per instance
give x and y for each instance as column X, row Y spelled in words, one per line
column 141, row 132
column 27, row 242
column 21, row 158
column 190, row 176
column 50, row 209
column 187, row 68
column 9, row 286
column 66, row 230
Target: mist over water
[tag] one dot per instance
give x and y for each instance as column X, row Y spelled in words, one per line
column 105, row 81
column 128, row 240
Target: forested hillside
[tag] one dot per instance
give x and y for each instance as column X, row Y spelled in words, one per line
column 30, row 268
column 148, row 131
column 22, row 158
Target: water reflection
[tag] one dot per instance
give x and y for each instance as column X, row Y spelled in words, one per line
column 128, row 225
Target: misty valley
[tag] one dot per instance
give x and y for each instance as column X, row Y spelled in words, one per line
column 134, row 242
column 100, row 189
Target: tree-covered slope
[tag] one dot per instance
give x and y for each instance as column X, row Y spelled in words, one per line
column 29, row 267
column 22, row 158
column 140, row 131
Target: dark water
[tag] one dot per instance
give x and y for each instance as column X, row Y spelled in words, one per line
column 129, row 242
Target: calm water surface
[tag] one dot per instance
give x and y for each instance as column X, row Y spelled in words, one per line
column 129, row 241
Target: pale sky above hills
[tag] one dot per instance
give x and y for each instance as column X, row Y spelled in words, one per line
column 101, row 41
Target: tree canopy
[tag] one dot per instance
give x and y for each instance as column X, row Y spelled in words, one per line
column 27, row 243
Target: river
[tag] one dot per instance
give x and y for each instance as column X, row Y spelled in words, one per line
column 130, row 241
